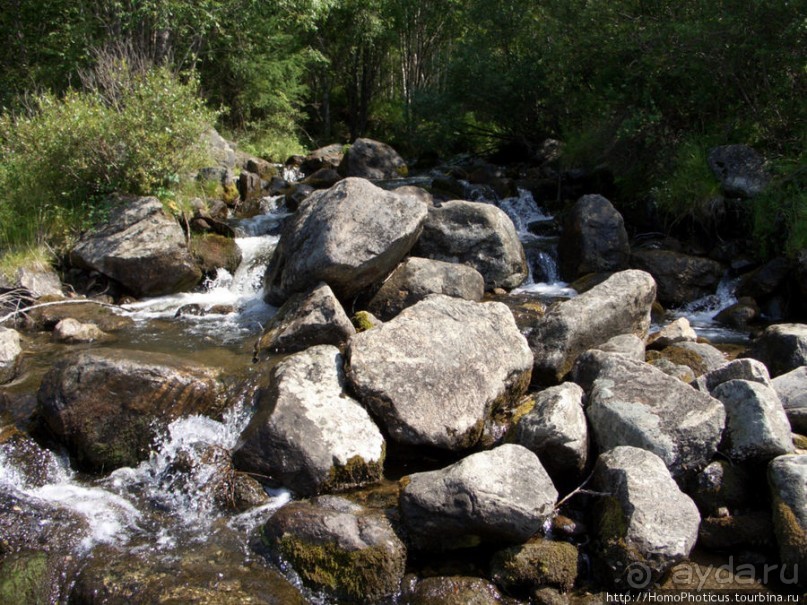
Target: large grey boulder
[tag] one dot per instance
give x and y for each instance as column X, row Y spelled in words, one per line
column 141, row 247
column 792, row 391
column 787, row 476
column 371, row 159
column 681, row 278
column 305, row 320
column 594, row 239
column 640, row 534
column 737, row 369
column 475, row 234
column 10, row 351
column 348, row 236
column 633, row 403
column 673, row 333
column 436, row 372
column 756, row 425
column 308, row 434
column 500, row 495
column 781, row 347
column 740, row 170
column 629, row 345
column 338, row 547
column 619, row 305
column 36, row 280
column 557, row 431
column 416, row 278
column 328, row 157
column 108, row 406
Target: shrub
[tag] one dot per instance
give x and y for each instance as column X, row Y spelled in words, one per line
column 59, row 159
column 780, row 212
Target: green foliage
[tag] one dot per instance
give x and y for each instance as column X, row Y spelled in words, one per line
column 690, row 185
column 780, row 212
column 61, row 157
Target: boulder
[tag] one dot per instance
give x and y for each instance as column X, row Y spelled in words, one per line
column 781, row 347
column 681, row 278
column 349, row 552
column 308, row 434
column 536, row 564
column 369, row 159
column 10, row 351
column 140, row 247
column 737, row 369
column 640, row 535
column 219, row 149
column 107, row 406
column 475, row 234
column 329, row 156
column 72, row 331
column 436, row 372
column 556, row 430
column 249, row 186
column 787, row 476
column 628, row 345
column 305, row 320
column 700, row 357
column 673, row 333
column 499, row 495
column 202, row 573
column 679, row 371
column 36, row 280
column 740, row 170
column 633, row 403
column 594, row 239
column 451, row 590
column 765, row 280
column 792, row 391
column 739, row 315
column 106, row 317
column 348, row 236
column 756, row 425
column 723, row 485
column 619, row 305
column 323, row 178
column 213, row 252
column 416, row 278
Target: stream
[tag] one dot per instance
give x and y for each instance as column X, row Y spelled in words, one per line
column 154, row 509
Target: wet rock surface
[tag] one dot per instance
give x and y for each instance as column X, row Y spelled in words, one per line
column 10, row 351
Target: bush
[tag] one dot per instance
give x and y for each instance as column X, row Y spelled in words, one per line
column 780, row 212
column 64, row 155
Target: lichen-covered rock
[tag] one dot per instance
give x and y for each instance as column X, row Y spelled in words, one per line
column 348, row 236
column 371, row 159
column 782, row 348
column 475, row 234
column 10, row 351
column 436, row 372
column 700, row 357
column 536, row 564
column 557, row 431
column 673, row 333
column 140, row 247
column 619, row 305
column 339, row 547
column 72, row 331
column 629, row 345
column 756, row 424
column 594, row 239
column 305, row 320
column 500, row 495
column 632, row 403
column 308, row 434
column 737, row 369
column 740, row 170
column 416, row 278
column 640, row 535
column 792, row 390
column 787, row 476
column 681, row 278
column 106, row 405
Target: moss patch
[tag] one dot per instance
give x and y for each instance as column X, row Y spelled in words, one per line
column 536, row 564
column 25, row 578
column 355, row 472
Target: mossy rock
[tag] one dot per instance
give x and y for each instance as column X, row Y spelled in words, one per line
column 800, row 441
column 680, row 356
column 212, row 252
column 364, row 320
column 790, row 534
column 29, row 578
column 534, row 565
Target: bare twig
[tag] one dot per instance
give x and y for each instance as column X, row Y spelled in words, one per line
column 580, row 489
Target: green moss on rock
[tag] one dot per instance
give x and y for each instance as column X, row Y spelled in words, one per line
column 536, row 564
column 26, row 578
